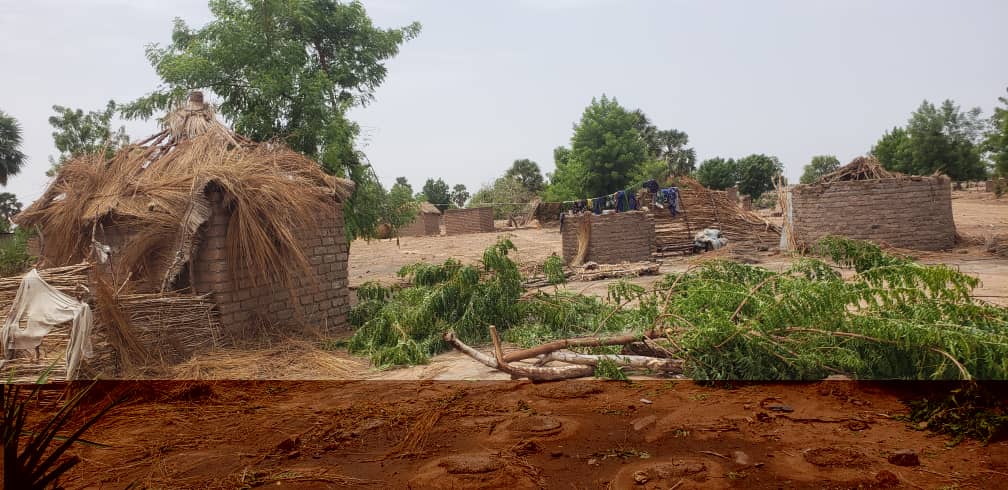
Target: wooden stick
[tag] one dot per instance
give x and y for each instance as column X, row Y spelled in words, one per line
column 578, row 342
column 674, row 366
column 534, row 373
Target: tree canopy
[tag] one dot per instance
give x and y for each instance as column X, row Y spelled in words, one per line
column 936, row 139
column 607, row 146
column 819, row 166
column 287, row 70
column 459, row 195
column 11, row 156
column 78, row 133
column 437, row 192
column 9, row 206
column 996, row 142
column 718, row 173
column 527, row 173
column 756, row 173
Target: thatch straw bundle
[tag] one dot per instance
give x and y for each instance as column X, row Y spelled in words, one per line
column 861, row 168
column 155, row 194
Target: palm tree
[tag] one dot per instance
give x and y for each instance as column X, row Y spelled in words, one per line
column 11, row 157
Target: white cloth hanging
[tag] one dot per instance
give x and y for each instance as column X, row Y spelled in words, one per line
column 44, row 307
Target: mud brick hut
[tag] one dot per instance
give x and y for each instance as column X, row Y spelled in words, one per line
column 221, row 234
column 468, row 220
column 427, row 222
column 864, row 201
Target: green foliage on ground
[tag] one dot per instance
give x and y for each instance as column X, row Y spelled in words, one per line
column 890, row 319
column 971, row 411
column 554, row 269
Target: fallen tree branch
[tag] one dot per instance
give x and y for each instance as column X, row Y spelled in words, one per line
column 579, row 342
column 534, row 373
column 674, row 366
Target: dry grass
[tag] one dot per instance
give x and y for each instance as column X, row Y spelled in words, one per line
column 288, row 360
column 157, row 193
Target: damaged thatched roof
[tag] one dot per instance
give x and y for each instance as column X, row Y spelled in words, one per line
column 428, row 208
column 157, row 191
column 861, row 168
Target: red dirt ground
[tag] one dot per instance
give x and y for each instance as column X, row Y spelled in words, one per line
column 513, row 434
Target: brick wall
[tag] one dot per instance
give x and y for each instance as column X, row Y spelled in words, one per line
column 470, row 220
column 317, row 301
column 913, row 212
column 425, row 224
column 615, row 237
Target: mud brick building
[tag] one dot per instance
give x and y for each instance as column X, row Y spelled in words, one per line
column 469, row 220
column 875, row 205
column 614, row 237
column 427, row 222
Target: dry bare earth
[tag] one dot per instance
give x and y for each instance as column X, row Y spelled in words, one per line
column 577, row 434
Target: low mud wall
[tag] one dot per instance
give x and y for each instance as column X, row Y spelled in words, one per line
column 615, row 237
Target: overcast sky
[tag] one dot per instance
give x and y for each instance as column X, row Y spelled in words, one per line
column 490, row 82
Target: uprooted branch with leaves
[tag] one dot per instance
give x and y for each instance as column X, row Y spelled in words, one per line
column 890, row 319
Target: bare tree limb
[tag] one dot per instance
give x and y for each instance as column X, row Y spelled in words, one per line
column 534, row 373
column 579, row 342
column 674, row 366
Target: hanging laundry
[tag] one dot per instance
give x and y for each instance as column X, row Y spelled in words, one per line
column 598, row 204
column 670, row 197
column 631, row 200
column 44, row 307
column 652, row 186
column 620, row 204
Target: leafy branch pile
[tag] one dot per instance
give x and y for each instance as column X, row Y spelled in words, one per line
column 890, row 319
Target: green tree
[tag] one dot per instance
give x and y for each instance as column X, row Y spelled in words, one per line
column 505, row 189
column 399, row 208
column 672, row 144
column 607, row 146
column 527, row 172
column 566, row 182
column 936, row 139
column 756, row 173
column 718, row 173
column 996, row 141
column 78, row 133
column 819, row 166
column 287, row 70
column 437, row 192
column 459, row 195
column 9, row 207
column 11, row 157
column 893, row 151
column 401, row 182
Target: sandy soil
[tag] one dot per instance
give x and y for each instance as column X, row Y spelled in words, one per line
column 589, row 434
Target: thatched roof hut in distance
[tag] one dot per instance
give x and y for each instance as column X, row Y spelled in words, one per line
column 198, row 208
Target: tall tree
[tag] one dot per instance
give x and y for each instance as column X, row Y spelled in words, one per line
column 504, row 189
column 11, row 156
column 672, row 149
column 77, row 133
column 996, row 141
column 819, row 166
column 756, row 173
column 567, row 179
column 401, row 182
column 459, row 195
column 527, row 173
column 936, row 139
column 288, row 70
column 437, row 192
column 9, row 206
column 718, row 173
column 607, row 145
column 893, row 151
